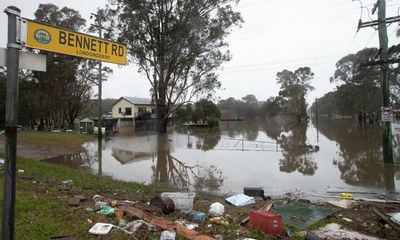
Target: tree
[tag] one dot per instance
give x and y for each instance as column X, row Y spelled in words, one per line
column 206, row 111
column 294, row 88
column 65, row 88
column 178, row 45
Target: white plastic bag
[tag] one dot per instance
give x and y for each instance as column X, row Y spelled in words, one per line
column 396, row 218
column 216, row 209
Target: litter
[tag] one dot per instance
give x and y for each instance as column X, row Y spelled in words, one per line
column 346, row 195
column 347, row 220
column 133, row 226
column 195, row 215
column 119, row 213
column 182, row 200
column 268, row 222
column 165, row 224
column 335, row 231
column 219, row 220
column 254, row 191
column 190, row 226
column 106, row 210
column 216, row 209
column 167, row 235
column 166, row 204
column 67, row 182
column 21, row 171
column 342, row 203
column 240, row 200
column 301, row 215
column 387, row 220
column 74, row 201
column 396, row 218
column 101, row 229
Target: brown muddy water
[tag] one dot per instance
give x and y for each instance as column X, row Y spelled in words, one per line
column 273, row 154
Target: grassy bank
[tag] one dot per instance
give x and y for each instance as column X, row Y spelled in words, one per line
column 42, row 209
column 54, row 138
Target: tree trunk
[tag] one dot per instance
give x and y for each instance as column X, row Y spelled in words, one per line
column 162, row 119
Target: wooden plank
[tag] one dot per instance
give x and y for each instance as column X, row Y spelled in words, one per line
column 386, row 219
column 165, row 224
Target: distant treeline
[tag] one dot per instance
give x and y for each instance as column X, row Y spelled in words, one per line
column 359, row 90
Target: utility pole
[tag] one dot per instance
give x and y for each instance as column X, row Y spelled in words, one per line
column 99, row 19
column 9, row 191
column 383, row 44
column 384, row 63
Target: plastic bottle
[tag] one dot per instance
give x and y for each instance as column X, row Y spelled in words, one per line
column 195, row 215
column 167, row 235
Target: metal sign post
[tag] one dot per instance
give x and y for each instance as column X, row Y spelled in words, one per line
column 9, row 192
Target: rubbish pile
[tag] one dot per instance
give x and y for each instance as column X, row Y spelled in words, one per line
column 180, row 213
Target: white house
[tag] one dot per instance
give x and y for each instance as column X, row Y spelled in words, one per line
column 127, row 109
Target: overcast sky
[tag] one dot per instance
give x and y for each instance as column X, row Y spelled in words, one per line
column 276, row 35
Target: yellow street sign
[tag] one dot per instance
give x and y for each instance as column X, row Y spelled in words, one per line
column 60, row 40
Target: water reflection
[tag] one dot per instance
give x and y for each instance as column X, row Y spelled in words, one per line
column 172, row 171
column 274, row 154
column 292, row 137
column 360, row 153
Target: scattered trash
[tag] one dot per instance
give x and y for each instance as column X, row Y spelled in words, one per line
column 244, row 221
column 67, row 182
column 268, row 222
column 335, row 231
column 190, row 226
column 101, row 229
column 166, row 204
column 254, row 191
column 164, row 224
column 347, row 220
column 89, row 221
column 114, row 203
column 182, row 200
column 80, row 197
column 167, row 235
column 346, row 195
column 386, row 219
column 342, row 203
column 119, row 213
column 195, row 215
column 97, row 198
column 240, row 200
column 396, row 218
column 129, row 202
column 219, row 220
column 301, row 215
column 106, row 210
column 122, row 222
column 88, row 209
column 133, row 226
column 216, row 209
column 21, row 171
column 1, row 161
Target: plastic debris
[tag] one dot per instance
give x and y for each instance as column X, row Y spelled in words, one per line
column 166, row 204
column 67, row 182
column 396, row 218
column 216, row 209
column 101, row 229
column 342, row 203
column 133, row 226
column 182, row 200
column 106, row 210
column 346, row 195
column 336, row 231
column 190, row 226
column 21, row 171
column 167, row 235
column 219, row 220
column 195, row 215
column 347, row 220
column 254, row 191
column 240, row 200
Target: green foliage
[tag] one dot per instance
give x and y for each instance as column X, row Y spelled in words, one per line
column 213, row 122
column 294, row 88
column 204, row 110
column 179, row 45
column 247, row 107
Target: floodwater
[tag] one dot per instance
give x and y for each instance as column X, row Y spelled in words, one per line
column 278, row 155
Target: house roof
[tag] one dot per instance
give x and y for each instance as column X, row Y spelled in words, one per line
column 136, row 100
